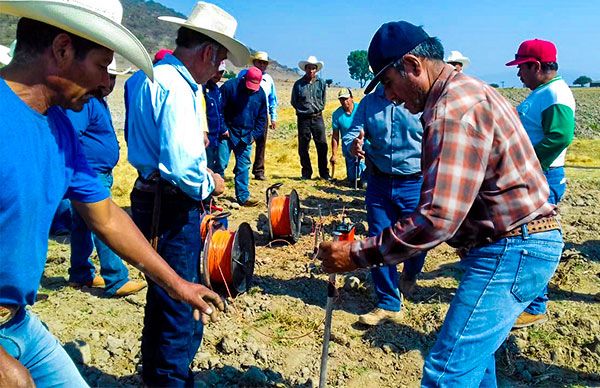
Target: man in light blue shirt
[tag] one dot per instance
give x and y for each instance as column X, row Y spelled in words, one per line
column 341, row 121
column 389, row 138
column 166, row 122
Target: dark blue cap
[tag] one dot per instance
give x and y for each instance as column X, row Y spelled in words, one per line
column 391, row 42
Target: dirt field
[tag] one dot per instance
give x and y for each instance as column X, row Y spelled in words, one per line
column 272, row 335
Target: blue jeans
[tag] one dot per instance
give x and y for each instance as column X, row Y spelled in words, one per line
column 351, row 168
column 217, row 156
column 62, row 222
column 389, row 199
column 170, row 337
column 558, row 184
column 26, row 339
column 83, row 240
column 500, row 280
column 241, row 171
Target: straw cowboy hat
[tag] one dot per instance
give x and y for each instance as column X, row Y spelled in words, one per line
column 5, row 56
column 260, row 56
column 312, row 60
column 212, row 21
column 112, row 69
column 456, row 56
column 96, row 20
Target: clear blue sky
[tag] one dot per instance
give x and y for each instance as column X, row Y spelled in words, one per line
column 488, row 32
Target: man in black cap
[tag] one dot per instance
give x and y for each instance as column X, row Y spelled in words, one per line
column 483, row 192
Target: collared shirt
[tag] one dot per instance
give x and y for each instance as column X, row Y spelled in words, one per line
column 394, row 135
column 309, row 97
column 244, row 111
column 214, row 113
column 480, row 174
column 268, row 86
column 97, row 135
column 548, row 115
column 166, row 123
column 42, row 163
column 341, row 121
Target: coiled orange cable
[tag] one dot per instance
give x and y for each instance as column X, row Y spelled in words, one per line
column 347, row 236
column 280, row 216
column 204, row 225
column 219, row 256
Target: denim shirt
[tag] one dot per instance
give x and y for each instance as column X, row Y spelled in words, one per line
column 393, row 134
column 165, row 123
column 214, row 113
column 244, row 112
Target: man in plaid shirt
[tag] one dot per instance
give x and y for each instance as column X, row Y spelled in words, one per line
column 483, row 192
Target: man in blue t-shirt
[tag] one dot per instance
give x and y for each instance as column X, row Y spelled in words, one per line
column 42, row 162
column 100, row 146
column 341, row 121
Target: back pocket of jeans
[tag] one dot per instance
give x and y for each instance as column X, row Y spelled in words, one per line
column 532, row 275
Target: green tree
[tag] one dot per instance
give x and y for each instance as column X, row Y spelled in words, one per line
column 495, row 85
column 358, row 67
column 329, row 81
column 582, row 80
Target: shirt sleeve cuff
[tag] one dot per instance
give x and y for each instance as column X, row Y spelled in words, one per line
column 365, row 253
column 208, row 186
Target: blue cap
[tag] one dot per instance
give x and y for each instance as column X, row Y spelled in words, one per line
column 391, row 42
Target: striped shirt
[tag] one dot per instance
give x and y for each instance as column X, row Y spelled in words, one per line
column 481, row 176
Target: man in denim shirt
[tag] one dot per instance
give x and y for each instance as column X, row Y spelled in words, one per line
column 217, row 154
column 393, row 157
column 245, row 114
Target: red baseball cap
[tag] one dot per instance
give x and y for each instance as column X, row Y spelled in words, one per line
column 253, row 77
column 160, row 54
column 535, row 50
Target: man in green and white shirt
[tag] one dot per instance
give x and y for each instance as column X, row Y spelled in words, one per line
column 548, row 115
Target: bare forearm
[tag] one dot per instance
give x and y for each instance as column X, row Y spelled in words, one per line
column 12, row 372
column 119, row 232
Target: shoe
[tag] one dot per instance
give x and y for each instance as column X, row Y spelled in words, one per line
column 379, row 316
column 131, row 287
column 326, row 177
column 408, row 287
column 250, row 202
column 526, row 319
column 306, row 177
column 260, row 177
column 96, row 282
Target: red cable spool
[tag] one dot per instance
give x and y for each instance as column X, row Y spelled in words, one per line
column 283, row 213
column 227, row 260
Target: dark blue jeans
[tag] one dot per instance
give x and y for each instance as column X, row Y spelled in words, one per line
column 171, row 337
column 241, row 171
column 558, row 184
column 217, row 156
column 389, row 199
column 83, row 241
column 500, row 280
column 61, row 223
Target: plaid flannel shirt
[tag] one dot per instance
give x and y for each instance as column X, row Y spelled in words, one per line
column 481, row 176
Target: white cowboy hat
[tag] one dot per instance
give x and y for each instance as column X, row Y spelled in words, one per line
column 212, row 21
column 5, row 56
column 312, row 60
column 456, row 56
column 112, row 69
column 98, row 21
column 260, row 56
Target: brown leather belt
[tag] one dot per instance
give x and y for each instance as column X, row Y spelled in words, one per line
column 7, row 313
column 536, row 226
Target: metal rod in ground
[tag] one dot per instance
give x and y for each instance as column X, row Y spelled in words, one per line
column 331, row 296
column 356, row 172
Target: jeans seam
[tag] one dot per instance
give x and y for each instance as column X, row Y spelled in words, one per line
column 499, row 258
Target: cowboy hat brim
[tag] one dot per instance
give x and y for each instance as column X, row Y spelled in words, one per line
column 5, row 57
column 84, row 23
column 239, row 52
column 302, row 65
column 122, row 72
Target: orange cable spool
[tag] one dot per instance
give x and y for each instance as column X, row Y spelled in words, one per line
column 219, row 256
column 207, row 221
column 284, row 214
column 280, row 216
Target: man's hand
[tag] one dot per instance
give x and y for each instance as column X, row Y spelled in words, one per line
column 225, row 135
column 356, row 148
column 336, row 256
column 205, row 302
column 333, row 159
column 273, row 125
column 219, row 183
column 12, row 372
column 206, row 140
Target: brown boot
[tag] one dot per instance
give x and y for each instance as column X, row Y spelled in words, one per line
column 379, row 316
column 131, row 287
column 96, row 282
column 526, row 319
column 408, row 287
